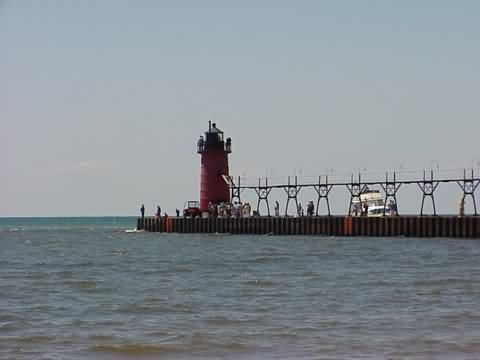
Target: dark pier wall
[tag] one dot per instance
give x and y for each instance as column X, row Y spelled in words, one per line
column 412, row 226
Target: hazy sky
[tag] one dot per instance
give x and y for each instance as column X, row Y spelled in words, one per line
column 101, row 102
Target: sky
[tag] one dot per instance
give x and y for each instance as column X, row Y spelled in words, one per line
column 101, row 102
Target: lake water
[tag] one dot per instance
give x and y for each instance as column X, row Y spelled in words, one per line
column 82, row 288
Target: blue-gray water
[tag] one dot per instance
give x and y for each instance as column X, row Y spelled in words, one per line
column 85, row 289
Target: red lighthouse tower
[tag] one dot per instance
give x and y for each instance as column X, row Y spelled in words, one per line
column 214, row 178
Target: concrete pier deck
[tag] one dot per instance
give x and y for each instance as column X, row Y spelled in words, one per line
column 411, row 226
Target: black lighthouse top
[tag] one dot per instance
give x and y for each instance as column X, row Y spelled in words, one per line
column 213, row 140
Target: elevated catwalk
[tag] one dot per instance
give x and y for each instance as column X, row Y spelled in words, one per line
column 356, row 185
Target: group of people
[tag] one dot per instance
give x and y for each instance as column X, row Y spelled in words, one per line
column 364, row 209
column 201, row 144
column 158, row 212
column 300, row 211
column 237, row 210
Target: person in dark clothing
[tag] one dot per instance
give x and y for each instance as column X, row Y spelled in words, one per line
column 200, row 144
column 142, row 211
column 310, row 208
column 178, row 213
column 365, row 209
column 159, row 212
column 277, row 208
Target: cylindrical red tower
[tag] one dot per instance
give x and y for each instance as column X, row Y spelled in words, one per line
column 214, row 178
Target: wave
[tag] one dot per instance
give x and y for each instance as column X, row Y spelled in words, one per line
column 64, row 228
column 137, row 349
column 33, row 339
column 265, row 259
column 443, row 281
column 259, row 283
column 202, row 341
column 11, row 322
column 8, row 326
column 86, row 284
column 197, row 342
column 157, row 306
column 436, row 348
column 460, row 315
column 225, row 321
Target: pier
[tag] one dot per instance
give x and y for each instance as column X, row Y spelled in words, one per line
column 326, row 224
column 383, row 226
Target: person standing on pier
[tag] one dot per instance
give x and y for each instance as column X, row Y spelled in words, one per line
column 277, row 208
column 159, row 212
column 299, row 209
column 461, row 206
column 392, row 208
column 310, row 208
column 178, row 213
column 365, row 209
column 142, row 211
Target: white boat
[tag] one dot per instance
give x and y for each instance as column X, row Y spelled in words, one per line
column 373, row 199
